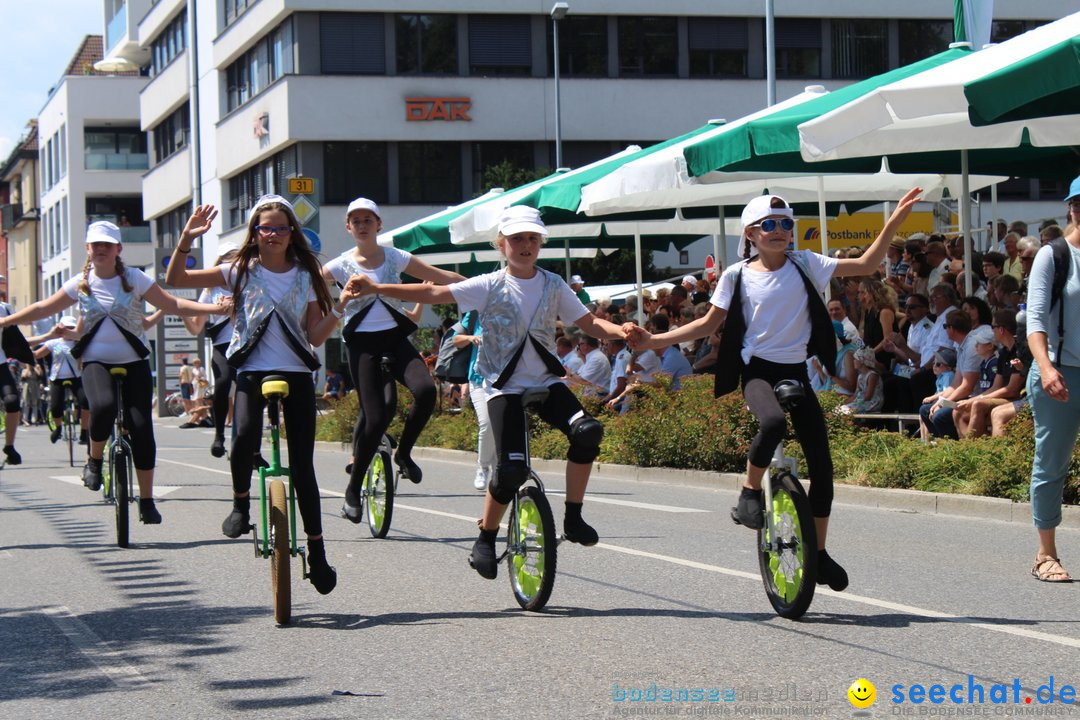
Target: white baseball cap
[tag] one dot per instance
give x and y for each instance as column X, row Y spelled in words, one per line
column 103, row 231
column 521, row 218
column 689, row 279
column 983, row 334
column 69, row 321
column 271, row 199
column 576, row 280
column 757, row 210
column 362, row 203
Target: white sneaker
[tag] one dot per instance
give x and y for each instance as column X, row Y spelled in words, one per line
column 481, row 480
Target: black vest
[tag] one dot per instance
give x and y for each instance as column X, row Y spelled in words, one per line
column 729, row 363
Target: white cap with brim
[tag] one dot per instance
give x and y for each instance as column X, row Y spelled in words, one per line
column 982, row 334
column 269, row 200
column 362, row 203
column 576, row 280
column 757, row 210
column 521, row 218
column 104, row 232
column 689, row 279
column 69, row 321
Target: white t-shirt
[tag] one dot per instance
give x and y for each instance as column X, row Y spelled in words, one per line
column 618, row 368
column 472, row 294
column 378, row 318
column 597, row 370
column 109, row 345
column 967, row 360
column 274, row 351
column 650, row 365
column 573, row 361
column 775, row 306
column 69, row 368
column 210, row 296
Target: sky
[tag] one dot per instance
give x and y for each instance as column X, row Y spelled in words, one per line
column 37, row 46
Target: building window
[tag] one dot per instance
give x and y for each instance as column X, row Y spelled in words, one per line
column 860, row 48
column 352, row 44
column 798, row 48
column 254, row 71
column 171, row 42
column 648, row 46
column 1002, row 30
column 268, row 176
column 354, row 169
column 920, row 39
column 171, row 134
column 235, row 8
column 500, row 45
column 114, row 148
column 486, row 155
column 168, row 226
column 61, row 148
column 429, row 172
column 426, row 44
column 718, row 47
column 583, row 46
column 65, row 235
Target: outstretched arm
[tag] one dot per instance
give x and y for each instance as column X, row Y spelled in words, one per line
column 702, row 327
column 415, row 292
column 41, row 309
column 180, row 306
column 875, row 254
column 420, row 269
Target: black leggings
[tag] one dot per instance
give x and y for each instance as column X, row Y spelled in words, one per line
column 9, row 389
column 56, row 395
column 365, row 352
column 138, row 386
column 224, row 374
column 759, row 377
column 298, row 409
column 560, row 411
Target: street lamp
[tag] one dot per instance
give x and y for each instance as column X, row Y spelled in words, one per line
column 558, row 12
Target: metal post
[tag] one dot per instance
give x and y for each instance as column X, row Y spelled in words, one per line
column 993, row 239
column 558, row 12
column 770, row 52
column 965, row 218
column 193, row 102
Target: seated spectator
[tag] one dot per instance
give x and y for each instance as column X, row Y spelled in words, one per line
column 869, row 393
column 1050, row 233
column 846, row 377
column 1005, row 387
column 944, row 369
column 620, row 365
column 936, row 410
column 1003, row 292
column 838, row 313
column 595, row 372
column 701, row 293
column 335, row 387
column 978, row 310
column 672, row 360
column 566, row 347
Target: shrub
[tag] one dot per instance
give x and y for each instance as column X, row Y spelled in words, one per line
column 691, row 429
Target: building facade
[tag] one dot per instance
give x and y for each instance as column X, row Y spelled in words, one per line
column 19, row 215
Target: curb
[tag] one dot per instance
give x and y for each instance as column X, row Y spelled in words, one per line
column 910, row 501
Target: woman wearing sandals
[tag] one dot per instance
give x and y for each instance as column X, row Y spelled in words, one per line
column 111, row 334
column 281, row 308
column 518, row 308
column 1055, row 369
column 771, row 329
column 377, row 326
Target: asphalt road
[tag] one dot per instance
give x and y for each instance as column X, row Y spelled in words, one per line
column 180, row 625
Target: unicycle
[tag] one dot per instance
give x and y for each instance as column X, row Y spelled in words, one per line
column 118, row 470
column 278, row 510
column 787, row 541
column 380, row 480
column 531, row 541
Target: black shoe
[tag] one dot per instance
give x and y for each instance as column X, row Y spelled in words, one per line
column 322, row 576
column 236, row 524
column 217, row 448
column 578, row 531
column 148, row 512
column 830, row 573
column 56, row 433
column 188, row 425
column 348, row 469
column 749, row 512
column 91, row 474
column 408, row 468
column 14, row 458
column 483, row 559
column 206, row 423
column 259, row 462
column 352, row 514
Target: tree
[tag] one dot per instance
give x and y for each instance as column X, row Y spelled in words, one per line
column 506, row 175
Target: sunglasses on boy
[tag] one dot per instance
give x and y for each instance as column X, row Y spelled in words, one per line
column 769, row 224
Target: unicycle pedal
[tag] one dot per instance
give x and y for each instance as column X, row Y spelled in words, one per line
column 735, row 516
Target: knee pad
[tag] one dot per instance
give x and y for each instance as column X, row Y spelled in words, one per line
column 509, row 476
column 11, row 403
column 585, row 436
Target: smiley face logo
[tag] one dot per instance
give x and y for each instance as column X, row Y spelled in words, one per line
column 862, row 693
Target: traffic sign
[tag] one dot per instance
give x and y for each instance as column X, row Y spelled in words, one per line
column 301, row 186
column 710, row 268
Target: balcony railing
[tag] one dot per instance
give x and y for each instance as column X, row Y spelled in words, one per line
column 117, row 161
column 116, row 29
column 135, row 234
column 10, row 215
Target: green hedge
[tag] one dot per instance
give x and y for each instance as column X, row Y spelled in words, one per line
column 690, row 429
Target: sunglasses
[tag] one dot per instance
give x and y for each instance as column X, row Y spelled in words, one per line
column 946, row 326
column 769, row 224
column 268, row 230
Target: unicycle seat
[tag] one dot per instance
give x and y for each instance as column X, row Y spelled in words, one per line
column 118, row 372
column 275, row 386
column 534, row 397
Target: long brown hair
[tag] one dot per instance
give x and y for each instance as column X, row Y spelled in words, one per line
column 84, row 286
column 299, row 252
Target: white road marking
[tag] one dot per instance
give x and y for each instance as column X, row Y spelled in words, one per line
column 755, row 577
column 631, row 503
column 192, row 465
column 6, row 555
column 98, row 651
column 159, row 490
